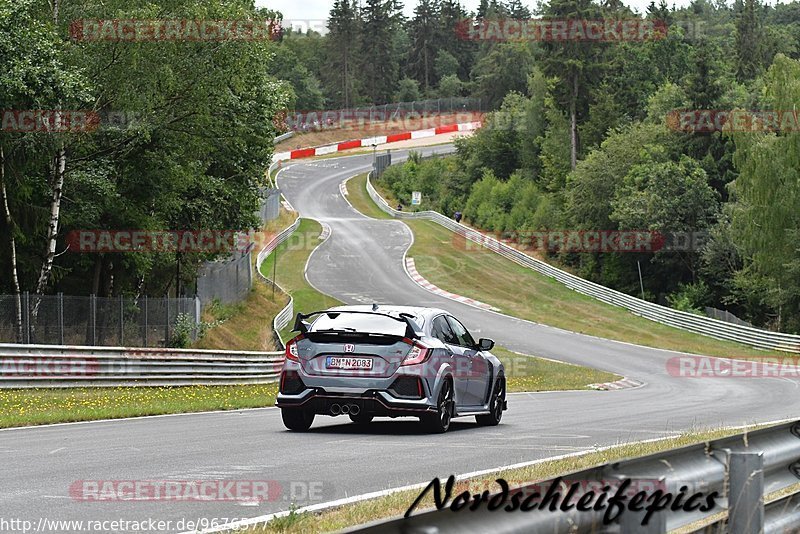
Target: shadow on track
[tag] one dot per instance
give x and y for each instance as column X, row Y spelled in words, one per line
column 389, row 428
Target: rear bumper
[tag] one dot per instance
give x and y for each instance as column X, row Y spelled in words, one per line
column 377, row 403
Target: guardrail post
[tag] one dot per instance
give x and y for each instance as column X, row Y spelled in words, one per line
column 27, row 316
column 61, row 318
column 631, row 521
column 746, row 492
column 93, row 313
column 197, row 311
column 166, row 323
column 144, row 307
column 121, row 322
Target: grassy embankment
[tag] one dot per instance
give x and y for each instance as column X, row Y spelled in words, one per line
column 447, row 262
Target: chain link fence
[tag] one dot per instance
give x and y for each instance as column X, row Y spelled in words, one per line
column 434, row 105
column 725, row 315
column 230, row 279
column 227, row 280
column 95, row 321
column 304, row 121
column 270, row 204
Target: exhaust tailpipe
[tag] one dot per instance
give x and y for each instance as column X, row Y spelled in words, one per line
column 354, row 409
column 336, row 409
column 345, row 409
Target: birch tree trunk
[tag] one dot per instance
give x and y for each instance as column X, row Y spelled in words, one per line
column 57, row 185
column 13, row 247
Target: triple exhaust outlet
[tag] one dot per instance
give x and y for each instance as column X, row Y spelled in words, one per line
column 345, row 409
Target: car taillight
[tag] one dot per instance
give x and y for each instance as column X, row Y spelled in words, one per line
column 419, row 353
column 291, row 349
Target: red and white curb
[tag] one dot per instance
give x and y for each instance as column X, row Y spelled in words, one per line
column 379, row 140
column 411, row 269
column 326, row 231
column 625, row 383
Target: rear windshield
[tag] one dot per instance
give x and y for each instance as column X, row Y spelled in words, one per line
column 364, row 323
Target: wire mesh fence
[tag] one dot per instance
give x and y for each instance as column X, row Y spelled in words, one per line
column 270, row 205
column 434, row 105
column 725, row 315
column 228, row 280
column 306, row 120
column 95, row 321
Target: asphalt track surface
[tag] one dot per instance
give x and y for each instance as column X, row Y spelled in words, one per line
column 361, row 262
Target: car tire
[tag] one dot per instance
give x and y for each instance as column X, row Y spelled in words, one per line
column 439, row 422
column 496, row 404
column 297, row 419
column 361, row 419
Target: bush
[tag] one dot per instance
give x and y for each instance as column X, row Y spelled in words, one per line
column 185, row 327
column 690, row 298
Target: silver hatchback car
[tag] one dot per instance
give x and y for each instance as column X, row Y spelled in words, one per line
column 368, row 361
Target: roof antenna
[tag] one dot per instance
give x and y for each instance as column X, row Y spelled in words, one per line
column 374, row 306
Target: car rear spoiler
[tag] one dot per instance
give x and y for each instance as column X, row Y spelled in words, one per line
column 301, row 326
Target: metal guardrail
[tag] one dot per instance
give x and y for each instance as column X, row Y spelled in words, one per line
column 754, row 337
column 54, row 366
column 285, row 315
column 283, row 137
column 746, row 470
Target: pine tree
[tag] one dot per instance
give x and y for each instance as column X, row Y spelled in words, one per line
column 516, row 10
column 704, row 89
column 452, row 19
column 574, row 63
column 379, row 66
column 424, row 28
column 483, row 9
column 341, row 42
column 748, row 42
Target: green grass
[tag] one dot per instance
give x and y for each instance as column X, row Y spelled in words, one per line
column 360, row 200
column 247, row 325
column 448, row 262
column 524, row 373
column 396, row 504
column 23, row 407
column 529, row 373
column 290, row 273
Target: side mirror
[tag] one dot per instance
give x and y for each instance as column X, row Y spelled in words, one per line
column 485, row 344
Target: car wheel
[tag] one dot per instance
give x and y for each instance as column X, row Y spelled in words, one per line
column 496, row 404
column 297, row 419
column 439, row 422
column 361, row 419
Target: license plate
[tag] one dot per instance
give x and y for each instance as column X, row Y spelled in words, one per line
column 336, row 362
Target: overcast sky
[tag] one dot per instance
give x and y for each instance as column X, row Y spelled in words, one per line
column 317, row 10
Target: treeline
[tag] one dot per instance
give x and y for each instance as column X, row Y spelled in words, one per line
column 590, row 143
column 373, row 54
column 180, row 139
